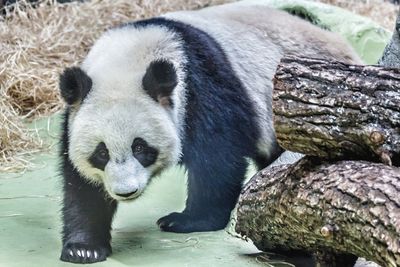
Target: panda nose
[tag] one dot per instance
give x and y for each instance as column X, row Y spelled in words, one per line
column 127, row 194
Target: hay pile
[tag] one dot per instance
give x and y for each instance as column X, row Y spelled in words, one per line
column 16, row 142
column 381, row 11
column 37, row 43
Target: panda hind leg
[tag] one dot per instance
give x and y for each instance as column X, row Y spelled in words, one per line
column 262, row 160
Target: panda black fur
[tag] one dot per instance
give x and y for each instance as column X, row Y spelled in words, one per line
column 189, row 87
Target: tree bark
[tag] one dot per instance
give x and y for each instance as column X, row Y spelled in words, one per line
column 391, row 54
column 335, row 211
column 337, row 111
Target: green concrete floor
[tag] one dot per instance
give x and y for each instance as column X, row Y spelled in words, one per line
column 30, row 223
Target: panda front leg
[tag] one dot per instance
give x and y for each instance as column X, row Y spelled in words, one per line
column 87, row 217
column 213, row 189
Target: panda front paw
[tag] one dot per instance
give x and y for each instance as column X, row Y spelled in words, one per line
column 185, row 223
column 84, row 253
column 174, row 222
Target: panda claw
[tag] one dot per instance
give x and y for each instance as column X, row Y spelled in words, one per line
column 83, row 253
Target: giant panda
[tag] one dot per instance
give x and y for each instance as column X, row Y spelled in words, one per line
column 191, row 88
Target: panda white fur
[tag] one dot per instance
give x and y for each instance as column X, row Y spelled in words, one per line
column 191, row 88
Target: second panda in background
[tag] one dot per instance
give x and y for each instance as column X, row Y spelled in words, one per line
column 191, row 88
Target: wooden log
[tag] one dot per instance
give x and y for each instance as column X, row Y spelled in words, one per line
column 336, row 211
column 391, row 54
column 337, row 111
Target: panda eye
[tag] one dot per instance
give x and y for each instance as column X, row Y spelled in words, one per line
column 100, row 157
column 138, row 148
column 143, row 152
column 103, row 154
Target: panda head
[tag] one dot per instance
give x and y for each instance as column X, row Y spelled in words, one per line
column 123, row 106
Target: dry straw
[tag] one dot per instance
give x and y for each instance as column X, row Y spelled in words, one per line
column 37, row 43
column 382, row 11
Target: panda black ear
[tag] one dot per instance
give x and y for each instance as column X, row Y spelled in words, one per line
column 160, row 80
column 75, row 84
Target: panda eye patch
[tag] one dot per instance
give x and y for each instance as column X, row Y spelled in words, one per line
column 100, row 156
column 144, row 153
